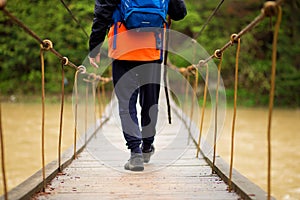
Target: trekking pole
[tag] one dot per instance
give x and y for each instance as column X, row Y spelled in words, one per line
column 165, row 69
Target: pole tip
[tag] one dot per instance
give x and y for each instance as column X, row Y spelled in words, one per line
column 2, row 4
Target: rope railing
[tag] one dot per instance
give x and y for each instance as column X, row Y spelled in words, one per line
column 271, row 98
column 47, row 45
column 86, row 111
column 65, row 62
column 82, row 70
column 3, row 157
column 94, row 103
column 270, row 9
column 91, row 78
column 234, row 111
column 194, row 95
column 43, row 115
column 61, row 114
column 220, row 57
column 203, row 110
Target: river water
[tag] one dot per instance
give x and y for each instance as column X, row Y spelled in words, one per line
column 22, row 135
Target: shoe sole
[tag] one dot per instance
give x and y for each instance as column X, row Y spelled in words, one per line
column 134, row 168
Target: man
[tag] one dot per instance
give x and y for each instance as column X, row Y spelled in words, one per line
column 136, row 67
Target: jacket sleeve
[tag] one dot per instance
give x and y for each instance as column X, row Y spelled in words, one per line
column 103, row 12
column 177, row 9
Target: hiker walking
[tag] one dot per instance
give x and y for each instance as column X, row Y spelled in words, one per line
column 135, row 37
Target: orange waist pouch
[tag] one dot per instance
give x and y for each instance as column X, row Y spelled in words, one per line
column 132, row 45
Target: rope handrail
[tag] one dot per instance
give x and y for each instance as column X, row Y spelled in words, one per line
column 61, row 113
column 271, row 98
column 91, row 78
column 45, row 44
column 216, row 111
column 3, row 157
column 80, row 69
column 236, row 77
column 269, row 9
column 43, row 117
column 203, row 110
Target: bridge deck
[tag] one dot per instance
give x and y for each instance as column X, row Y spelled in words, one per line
column 173, row 172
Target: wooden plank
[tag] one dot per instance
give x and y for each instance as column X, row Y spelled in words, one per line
column 138, row 196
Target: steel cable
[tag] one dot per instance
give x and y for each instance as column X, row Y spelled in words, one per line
column 209, row 18
column 74, row 18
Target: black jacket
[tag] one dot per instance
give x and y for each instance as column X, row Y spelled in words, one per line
column 103, row 12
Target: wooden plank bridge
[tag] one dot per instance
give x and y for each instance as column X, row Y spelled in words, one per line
column 174, row 172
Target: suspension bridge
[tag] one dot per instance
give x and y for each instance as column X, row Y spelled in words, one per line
column 182, row 167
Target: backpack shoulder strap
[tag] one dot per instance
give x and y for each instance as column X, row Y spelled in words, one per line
column 117, row 17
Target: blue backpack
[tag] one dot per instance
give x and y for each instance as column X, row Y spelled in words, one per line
column 143, row 13
column 139, row 14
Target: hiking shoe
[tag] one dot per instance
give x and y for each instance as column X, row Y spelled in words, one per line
column 135, row 163
column 148, row 153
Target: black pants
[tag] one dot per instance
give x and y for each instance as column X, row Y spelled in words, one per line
column 132, row 79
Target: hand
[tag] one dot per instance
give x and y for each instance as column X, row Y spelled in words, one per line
column 94, row 61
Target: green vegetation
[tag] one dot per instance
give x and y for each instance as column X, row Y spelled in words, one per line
column 19, row 53
column 20, row 63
